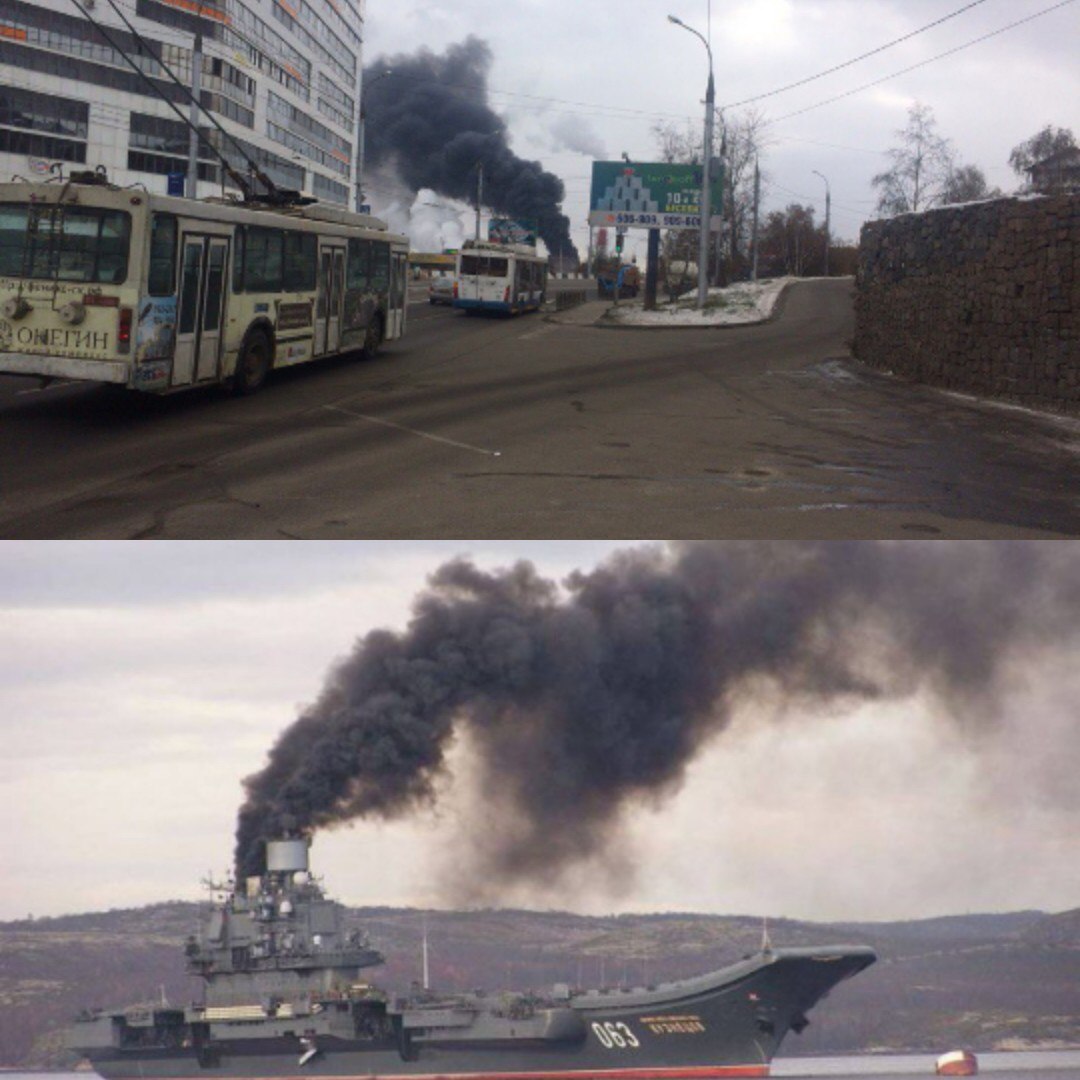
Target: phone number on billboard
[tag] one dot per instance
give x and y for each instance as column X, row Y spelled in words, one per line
column 665, row 221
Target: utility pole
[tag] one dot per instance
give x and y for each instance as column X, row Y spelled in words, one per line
column 479, row 194
column 828, row 200
column 362, row 118
column 193, row 130
column 706, row 193
column 706, row 179
column 753, row 234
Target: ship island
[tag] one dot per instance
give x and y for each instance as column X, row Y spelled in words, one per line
column 286, row 995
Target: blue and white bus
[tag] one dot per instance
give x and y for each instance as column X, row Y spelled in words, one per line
column 507, row 278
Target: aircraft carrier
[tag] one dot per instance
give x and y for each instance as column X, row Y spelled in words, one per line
column 286, row 996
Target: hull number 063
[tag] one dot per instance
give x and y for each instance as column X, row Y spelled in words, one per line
column 615, row 1035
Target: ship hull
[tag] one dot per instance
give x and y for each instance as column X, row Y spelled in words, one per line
column 729, row 1023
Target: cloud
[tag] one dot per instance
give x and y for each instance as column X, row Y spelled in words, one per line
column 572, row 132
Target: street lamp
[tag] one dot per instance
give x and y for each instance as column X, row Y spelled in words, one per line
column 827, row 202
column 364, row 85
column 706, row 207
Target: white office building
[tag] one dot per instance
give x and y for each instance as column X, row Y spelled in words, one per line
column 282, row 77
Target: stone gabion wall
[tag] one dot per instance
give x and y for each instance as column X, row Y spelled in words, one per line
column 983, row 298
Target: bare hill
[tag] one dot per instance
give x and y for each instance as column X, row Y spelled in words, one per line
column 980, row 980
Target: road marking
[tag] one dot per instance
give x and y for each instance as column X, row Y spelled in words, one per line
column 413, row 431
column 537, row 333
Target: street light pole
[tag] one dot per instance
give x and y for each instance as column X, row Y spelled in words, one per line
column 827, row 207
column 706, row 179
column 360, row 137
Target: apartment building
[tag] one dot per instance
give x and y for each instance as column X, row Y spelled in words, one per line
column 282, row 77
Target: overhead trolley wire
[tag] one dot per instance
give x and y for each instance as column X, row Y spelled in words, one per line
column 923, row 63
column 855, row 59
column 625, row 112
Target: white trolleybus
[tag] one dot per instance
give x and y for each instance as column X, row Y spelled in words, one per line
column 162, row 294
column 508, row 278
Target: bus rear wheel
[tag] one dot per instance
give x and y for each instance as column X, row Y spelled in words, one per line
column 373, row 337
column 253, row 364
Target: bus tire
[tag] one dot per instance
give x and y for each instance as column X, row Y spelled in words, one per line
column 373, row 337
column 254, row 363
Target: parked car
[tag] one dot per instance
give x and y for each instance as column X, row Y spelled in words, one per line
column 442, row 288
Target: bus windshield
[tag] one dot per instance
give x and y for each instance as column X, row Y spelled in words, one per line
column 483, row 266
column 70, row 243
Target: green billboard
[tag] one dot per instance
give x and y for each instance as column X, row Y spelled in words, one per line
column 653, row 196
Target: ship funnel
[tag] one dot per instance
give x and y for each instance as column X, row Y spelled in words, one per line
column 286, row 856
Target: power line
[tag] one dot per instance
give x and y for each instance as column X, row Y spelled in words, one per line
column 856, row 59
column 923, row 63
column 624, row 112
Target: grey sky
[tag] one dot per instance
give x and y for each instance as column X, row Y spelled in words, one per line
column 619, row 67
column 140, row 683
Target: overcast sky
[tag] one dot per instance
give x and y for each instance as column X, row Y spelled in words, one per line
column 140, row 683
column 599, row 76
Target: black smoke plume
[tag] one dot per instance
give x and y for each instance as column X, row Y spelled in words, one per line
column 582, row 702
column 430, row 119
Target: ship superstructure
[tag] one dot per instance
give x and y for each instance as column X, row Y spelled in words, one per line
column 286, row 996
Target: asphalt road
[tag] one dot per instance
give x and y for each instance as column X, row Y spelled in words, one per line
column 476, row 428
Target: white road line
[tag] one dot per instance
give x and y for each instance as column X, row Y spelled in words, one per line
column 413, row 431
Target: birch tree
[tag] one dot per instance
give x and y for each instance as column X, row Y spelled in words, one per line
column 921, row 167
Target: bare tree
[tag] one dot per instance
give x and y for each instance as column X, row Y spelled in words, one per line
column 967, row 183
column 742, row 143
column 741, row 139
column 921, row 166
column 1042, row 145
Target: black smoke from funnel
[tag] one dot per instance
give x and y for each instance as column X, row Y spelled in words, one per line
column 431, row 121
column 582, row 703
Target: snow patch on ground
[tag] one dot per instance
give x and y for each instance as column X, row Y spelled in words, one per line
column 746, row 302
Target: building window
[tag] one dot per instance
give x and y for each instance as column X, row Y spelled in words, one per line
column 43, row 112
column 160, row 165
column 325, row 188
column 43, row 146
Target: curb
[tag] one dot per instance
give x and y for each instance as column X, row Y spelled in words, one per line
column 777, row 310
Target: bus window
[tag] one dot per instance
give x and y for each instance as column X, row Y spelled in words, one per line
column 262, row 260
column 215, row 280
column 112, row 249
column 238, row 259
column 73, row 244
column 483, row 266
column 13, row 221
column 300, row 267
column 189, row 285
column 380, row 267
column 359, row 273
column 161, row 278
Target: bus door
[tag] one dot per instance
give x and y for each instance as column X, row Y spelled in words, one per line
column 328, row 302
column 200, row 308
column 395, row 312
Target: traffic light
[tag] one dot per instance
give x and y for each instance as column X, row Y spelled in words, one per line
column 619, row 237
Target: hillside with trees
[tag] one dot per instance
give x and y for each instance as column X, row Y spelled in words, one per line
column 986, row 981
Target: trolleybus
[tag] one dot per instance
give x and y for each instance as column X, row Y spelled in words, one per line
column 161, row 294
column 509, row 278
